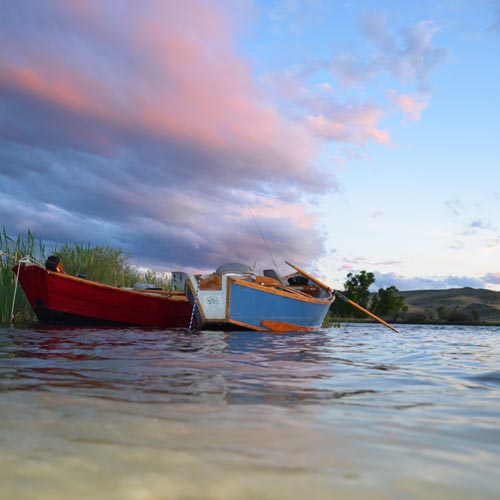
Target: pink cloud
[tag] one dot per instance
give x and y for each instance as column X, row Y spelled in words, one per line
column 57, row 86
column 270, row 208
column 493, row 278
column 181, row 139
column 361, row 262
column 352, row 124
column 411, row 106
column 354, row 261
column 168, row 74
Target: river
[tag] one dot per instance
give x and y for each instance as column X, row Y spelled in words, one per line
column 350, row 412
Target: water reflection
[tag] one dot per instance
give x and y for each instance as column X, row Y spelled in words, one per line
column 367, row 366
column 356, row 410
column 158, row 366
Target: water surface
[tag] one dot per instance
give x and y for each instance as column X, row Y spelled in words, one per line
column 350, row 412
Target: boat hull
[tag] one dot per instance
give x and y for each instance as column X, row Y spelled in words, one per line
column 58, row 298
column 243, row 304
column 254, row 307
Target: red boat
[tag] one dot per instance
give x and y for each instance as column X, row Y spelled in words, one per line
column 58, row 298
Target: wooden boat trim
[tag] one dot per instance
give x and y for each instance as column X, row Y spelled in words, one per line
column 157, row 293
column 283, row 291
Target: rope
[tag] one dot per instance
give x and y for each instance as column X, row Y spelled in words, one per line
column 20, row 261
column 194, row 303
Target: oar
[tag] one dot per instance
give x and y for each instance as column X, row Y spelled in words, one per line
column 361, row 308
column 341, row 296
column 282, row 327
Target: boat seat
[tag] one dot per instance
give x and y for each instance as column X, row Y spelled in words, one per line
column 271, row 273
column 267, row 281
column 145, row 286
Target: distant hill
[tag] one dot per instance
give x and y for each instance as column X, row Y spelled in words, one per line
column 484, row 303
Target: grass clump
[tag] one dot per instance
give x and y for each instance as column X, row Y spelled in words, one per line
column 98, row 263
column 11, row 250
column 106, row 265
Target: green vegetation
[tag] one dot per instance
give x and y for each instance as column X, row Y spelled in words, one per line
column 453, row 306
column 11, row 250
column 102, row 264
column 386, row 303
column 466, row 306
column 98, row 263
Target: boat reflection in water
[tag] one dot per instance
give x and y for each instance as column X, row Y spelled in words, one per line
column 178, row 365
column 166, row 413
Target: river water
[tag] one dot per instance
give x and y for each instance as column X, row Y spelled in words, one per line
column 350, row 412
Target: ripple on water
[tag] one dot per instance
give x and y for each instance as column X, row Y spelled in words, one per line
column 133, row 413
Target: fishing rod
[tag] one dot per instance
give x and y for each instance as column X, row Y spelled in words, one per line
column 264, row 240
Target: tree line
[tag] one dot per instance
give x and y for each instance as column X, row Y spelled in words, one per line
column 386, row 302
column 390, row 305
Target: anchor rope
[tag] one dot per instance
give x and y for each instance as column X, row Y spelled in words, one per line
column 23, row 260
column 194, row 303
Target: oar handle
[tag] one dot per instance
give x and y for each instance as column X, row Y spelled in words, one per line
column 361, row 308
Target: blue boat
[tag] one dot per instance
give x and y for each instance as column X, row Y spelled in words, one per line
column 234, row 297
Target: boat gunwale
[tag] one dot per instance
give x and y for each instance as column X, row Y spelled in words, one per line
column 159, row 294
column 284, row 291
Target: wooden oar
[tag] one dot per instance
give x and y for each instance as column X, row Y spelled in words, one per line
column 341, row 296
column 361, row 308
column 282, row 327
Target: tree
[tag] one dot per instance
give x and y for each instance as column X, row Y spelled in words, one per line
column 356, row 287
column 386, row 302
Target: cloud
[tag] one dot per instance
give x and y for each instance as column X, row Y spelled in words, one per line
column 495, row 26
column 355, row 264
column 474, row 229
column 492, row 278
column 477, row 226
column 410, row 57
column 384, row 280
column 140, row 125
column 349, row 124
column 405, row 283
column 411, row 105
column 455, row 206
column 322, row 112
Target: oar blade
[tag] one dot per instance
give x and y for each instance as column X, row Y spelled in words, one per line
column 283, row 327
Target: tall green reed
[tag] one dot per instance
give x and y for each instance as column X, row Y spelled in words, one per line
column 13, row 249
column 98, row 263
column 106, row 265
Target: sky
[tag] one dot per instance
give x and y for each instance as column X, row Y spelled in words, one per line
column 339, row 135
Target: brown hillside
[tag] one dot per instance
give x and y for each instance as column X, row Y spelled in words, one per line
column 486, row 303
